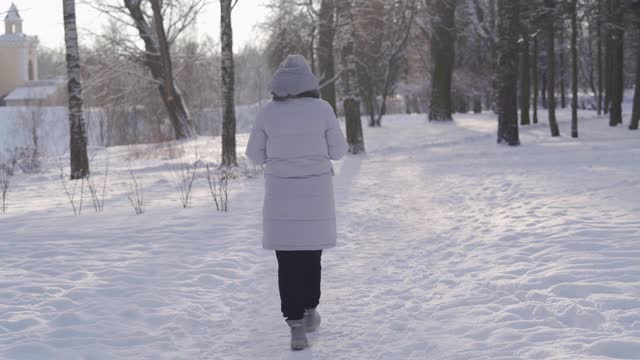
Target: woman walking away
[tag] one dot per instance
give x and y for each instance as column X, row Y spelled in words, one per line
column 296, row 136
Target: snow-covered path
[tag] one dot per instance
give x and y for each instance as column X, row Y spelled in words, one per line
column 451, row 247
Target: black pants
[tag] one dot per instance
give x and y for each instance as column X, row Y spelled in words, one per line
column 299, row 281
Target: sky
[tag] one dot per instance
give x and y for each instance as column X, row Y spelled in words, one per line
column 44, row 19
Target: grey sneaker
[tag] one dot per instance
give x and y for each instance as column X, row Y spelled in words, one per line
column 298, row 336
column 311, row 320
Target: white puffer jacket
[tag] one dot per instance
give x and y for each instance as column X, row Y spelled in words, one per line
column 296, row 138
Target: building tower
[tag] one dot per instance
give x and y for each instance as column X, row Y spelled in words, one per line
column 19, row 54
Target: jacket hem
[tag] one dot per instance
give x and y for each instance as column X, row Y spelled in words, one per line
column 298, row 248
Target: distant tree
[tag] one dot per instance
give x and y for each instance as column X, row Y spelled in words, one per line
column 78, row 129
column 525, row 84
column 551, row 68
column 158, row 60
column 599, row 55
column 543, row 85
column 574, row 68
column 253, row 75
column 369, row 30
column 476, row 55
column 382, row 30
column 443, row 56
column 508, row 21
column 228, row 84
column 534, row 76
column 615, row 47
column 51, row 62
column 326, row 35
column 606, row 44
column 289, row 31
column 158, row 23
column 635, row 116
column 348, row 80
column 562, row 68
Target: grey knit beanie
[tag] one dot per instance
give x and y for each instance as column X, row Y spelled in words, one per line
column 293, row 77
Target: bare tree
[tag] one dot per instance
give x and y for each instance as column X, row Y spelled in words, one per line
column 574, row 68
column 290, row 32
column 635, row 115
column 157, row 58
column 382, row 30
column 443, row 55
column 349, row 80
column 525, row 86
column 615, row 46
column 228, row 84
column 534, row 76
column 561, row 63
column 508, row 21
column 326, row 35
column 551, row 82
column 78, row 131
column 599, row 55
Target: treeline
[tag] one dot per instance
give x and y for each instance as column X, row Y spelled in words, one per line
column 131, row 112
column 438, row 56
column 446, row 56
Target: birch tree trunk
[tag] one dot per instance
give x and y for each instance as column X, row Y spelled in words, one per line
column 443, row 55
column 77, row 126
column 508, row 21
column 574, row 68
column 551, row 67
column 228, row 86
column 349, row 80
column 326, row 35
column 158, row 61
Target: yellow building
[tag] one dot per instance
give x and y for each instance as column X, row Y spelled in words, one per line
column 18, row 54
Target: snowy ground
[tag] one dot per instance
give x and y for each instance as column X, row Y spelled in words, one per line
column 451, row 247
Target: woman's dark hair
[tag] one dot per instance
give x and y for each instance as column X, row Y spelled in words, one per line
column 307, row 94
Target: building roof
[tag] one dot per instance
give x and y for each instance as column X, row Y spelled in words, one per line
column 13, row 14
column 36, row 90
column 15, row 37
